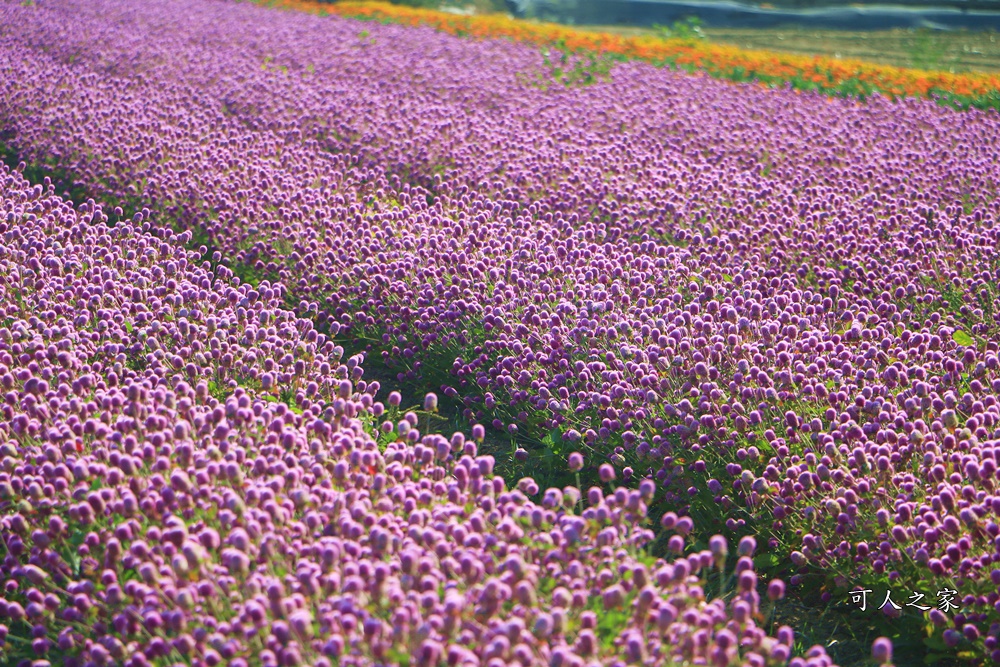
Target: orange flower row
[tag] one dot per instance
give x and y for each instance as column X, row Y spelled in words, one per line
column 818, row 72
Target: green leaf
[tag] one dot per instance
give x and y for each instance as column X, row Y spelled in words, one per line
column 962, row 338
column 399, row 657
column 766, row 561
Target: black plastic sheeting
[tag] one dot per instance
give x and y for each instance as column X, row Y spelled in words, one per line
column 735, row 15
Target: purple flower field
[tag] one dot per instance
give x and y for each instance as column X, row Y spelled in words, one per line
column 772, row 317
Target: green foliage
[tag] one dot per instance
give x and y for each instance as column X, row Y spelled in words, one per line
column 688, row 28
column 963, row 338
column 563, row 65
column 927, row 50
column 36, row 172
column 426, row 4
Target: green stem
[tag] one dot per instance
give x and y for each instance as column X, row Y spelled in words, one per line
column 579, row 488
column 723, row 588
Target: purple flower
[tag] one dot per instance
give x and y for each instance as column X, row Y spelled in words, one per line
column 882, row 650
column 776, row 590
column 194, row 379
column 720, row 549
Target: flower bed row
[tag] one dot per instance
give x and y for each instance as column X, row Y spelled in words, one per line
column 150, row 517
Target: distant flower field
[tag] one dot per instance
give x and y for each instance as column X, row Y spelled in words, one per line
column 836, row 76
column 333, row 342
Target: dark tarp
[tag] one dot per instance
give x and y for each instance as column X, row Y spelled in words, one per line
column 735, row 15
